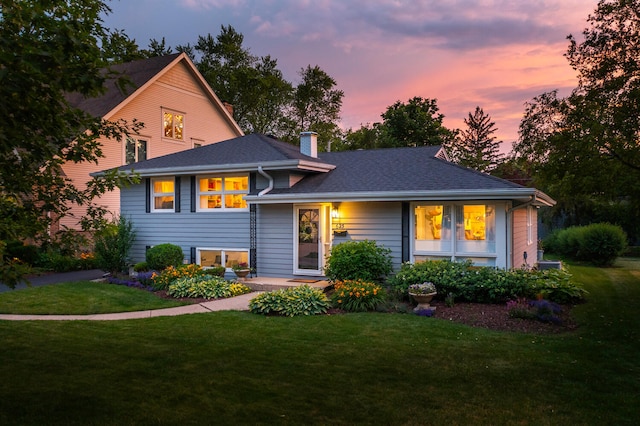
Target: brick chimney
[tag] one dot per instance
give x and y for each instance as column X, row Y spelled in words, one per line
column 309, row 144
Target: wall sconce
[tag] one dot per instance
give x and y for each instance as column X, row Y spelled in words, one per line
column 338, row 228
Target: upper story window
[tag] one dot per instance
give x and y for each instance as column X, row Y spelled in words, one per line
column 224, row 192
column 135, row 150
column 163, row 194
column 173, row 125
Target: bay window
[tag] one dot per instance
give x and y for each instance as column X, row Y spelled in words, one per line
column 452, row 231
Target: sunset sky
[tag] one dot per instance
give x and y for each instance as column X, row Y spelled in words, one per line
column 464, row 53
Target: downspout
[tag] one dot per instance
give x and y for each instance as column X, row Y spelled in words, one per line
column 269, row 178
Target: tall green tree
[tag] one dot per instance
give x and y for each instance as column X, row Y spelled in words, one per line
column 316, row 107
column 476, row 146
column 48, row 49
column 585, row 148
column 253, row 85
column 414, row 123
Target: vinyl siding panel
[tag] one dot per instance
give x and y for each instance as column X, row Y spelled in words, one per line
column 223, row 230
column 520, row 237
column 275, row 240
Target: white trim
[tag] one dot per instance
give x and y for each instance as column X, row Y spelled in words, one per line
column 222, row 193
column 223, row 256
column 162, row 194
column 324, row 238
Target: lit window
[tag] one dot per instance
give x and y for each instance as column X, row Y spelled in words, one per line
column 433, row 228
column 222, row 192
column 135, row 150
column 173, row 125
column 209, row 258
column 163, row 194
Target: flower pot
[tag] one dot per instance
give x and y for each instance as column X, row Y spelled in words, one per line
column 423, row 300
column 242, row 273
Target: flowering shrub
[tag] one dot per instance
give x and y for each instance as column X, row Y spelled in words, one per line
column 424, row 288
column 162, row 280
column 465, row 282
column 357, row 295
column 207, row 286
column 541, row 310
column 302, row 300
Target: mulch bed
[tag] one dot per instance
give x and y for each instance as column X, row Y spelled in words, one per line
column 490, row 316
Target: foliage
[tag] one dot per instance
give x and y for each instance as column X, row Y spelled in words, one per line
column 253, row 85
column 354, row 260
column 463, row 281
column 476, row 147
column 540, row 309
column 316, row 107
column 598, row 243
column 55, row 261
column 415, row 123
column 240, row 266
column 113, row 244
column 141, row 267
column 217, row 271
column 584, row 149
column 26, row 253
column 292, row 301
column 207, row 286
column 162, row 280
column 48, row 51
column 357, row 295
column 164, row 255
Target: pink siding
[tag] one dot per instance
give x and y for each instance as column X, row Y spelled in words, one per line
column 177, row 90
column 521, row 241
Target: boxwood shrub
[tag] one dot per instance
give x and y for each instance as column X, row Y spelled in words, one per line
column 353, row 260
column 464, row 282
column 293, row 301
column 164, row 255
column 598, row 243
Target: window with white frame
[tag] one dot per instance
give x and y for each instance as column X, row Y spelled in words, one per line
column 173, row 125
column 135, row 150
column 163, row 194
column 212, row 257
column 222, row 192
column 454, row 231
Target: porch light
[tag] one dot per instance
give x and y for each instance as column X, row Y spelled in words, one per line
column 335, row 214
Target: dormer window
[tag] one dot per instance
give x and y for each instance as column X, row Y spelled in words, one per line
column 173, row 125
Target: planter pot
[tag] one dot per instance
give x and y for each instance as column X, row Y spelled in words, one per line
column 242, row 273
column 423, row 301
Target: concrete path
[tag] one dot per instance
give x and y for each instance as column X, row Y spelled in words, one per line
column 238, row 303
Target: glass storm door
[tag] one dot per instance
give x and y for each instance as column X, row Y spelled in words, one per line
column 310, row 239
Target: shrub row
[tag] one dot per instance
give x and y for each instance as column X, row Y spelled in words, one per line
column 598, row 243
column 465, row 282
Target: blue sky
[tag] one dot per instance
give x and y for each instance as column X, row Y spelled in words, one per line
column 488, row 53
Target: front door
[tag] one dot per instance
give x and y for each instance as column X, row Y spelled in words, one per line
column 312, row 239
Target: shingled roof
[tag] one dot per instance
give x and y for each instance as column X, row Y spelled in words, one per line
column 393, row 173
column 138, row 74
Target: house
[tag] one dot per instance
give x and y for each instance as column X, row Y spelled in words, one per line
column 259, row 200
column 177, row 106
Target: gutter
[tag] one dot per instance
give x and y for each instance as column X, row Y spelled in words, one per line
column 269, row 178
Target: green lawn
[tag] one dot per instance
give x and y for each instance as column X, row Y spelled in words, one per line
column 239, row 368
column 80, row 298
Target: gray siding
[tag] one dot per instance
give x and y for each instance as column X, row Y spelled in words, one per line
column 186, row 229
column 381, row 222
column 275, row 240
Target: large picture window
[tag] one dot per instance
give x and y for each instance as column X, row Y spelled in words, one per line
column 222, row 192
column 210, row 257
column 163, row 195
column 454, row 231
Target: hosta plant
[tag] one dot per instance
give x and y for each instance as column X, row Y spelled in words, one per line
column 293, row 301
column 206, row 286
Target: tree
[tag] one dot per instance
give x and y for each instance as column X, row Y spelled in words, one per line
column 253, row 85
column 316, row 107
column 585, row 148
column 366, row 137
column 475, row 146
column 415, row 123
column 49, row 49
